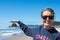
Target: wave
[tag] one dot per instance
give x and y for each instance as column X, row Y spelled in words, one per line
column 7, row 33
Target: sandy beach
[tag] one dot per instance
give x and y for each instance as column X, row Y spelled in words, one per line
column 58, row 29
column 20, row 37
column 24, row 37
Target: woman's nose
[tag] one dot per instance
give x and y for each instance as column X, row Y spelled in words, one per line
column 47, row 18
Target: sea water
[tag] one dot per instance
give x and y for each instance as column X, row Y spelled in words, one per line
column 9, row 32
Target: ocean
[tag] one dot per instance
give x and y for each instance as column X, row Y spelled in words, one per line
column 10, row 32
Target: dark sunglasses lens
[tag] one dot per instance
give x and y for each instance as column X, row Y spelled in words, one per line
column 50, row 17
column 44, row 17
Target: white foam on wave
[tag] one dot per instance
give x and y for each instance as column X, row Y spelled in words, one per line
column 7, row 33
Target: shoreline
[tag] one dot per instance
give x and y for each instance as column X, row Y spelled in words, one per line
column 20, row 37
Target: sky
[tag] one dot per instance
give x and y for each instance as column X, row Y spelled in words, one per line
column 27, row 11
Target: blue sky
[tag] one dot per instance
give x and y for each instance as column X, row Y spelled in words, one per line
column 27, row 11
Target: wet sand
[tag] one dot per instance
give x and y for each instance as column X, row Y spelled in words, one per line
column 20, row 37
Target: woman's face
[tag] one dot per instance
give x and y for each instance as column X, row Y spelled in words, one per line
column 47, row 18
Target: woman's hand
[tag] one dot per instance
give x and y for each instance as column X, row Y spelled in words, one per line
column 14, row 21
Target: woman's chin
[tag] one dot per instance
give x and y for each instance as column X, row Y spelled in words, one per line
column 47, row 25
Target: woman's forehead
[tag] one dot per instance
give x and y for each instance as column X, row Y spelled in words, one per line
column 47, row 12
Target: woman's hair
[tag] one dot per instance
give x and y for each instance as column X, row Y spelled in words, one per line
column 49, row 9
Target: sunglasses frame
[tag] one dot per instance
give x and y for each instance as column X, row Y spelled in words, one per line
column 50, row 17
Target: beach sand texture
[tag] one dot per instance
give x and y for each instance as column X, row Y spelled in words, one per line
column 20, row 37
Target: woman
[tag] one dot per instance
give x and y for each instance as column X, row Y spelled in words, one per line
column 45, row 31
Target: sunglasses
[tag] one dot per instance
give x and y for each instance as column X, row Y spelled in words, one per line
column 50, row 17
